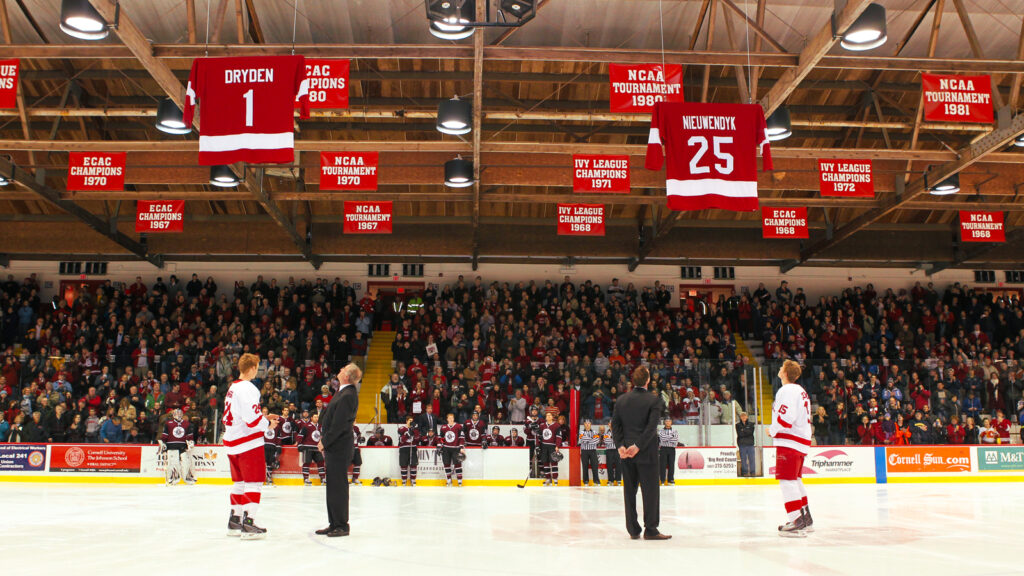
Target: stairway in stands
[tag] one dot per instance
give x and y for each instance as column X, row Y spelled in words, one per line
column 377, row 373
column 753, row 351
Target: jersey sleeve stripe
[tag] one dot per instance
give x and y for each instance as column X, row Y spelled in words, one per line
column 243, row 439
column 255, row 422
column 792, row 438
column 782, row 422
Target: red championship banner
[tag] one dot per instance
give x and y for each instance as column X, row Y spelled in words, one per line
column 160, row 216
column 600, row 173
column 9, row 83
column 957, row 98
column 328, row 83
column 96, row 171
column 981, row 226
column 348, row 170
column 784, row 222
column 636, row 87
column 367, row 218
column 95, row 458
column 581, row 220
column 848, row 178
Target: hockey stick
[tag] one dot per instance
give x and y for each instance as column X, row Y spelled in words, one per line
column 529, row 471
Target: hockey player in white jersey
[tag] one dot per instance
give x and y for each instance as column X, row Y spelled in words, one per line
column 791, row 429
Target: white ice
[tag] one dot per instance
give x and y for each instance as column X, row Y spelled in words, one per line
column 932, row 529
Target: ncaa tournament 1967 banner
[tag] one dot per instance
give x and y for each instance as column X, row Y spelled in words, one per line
column 581, row 220
column 596, row 174
column 957, row 98
column 981, row 226
column 784, row 222
column 367, row 218
column 328, row 83
column 160, row 216
column 636, row 87
column 9, row 83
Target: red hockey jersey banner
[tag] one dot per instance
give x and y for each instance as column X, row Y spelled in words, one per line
column 96, row 171
column 246, row 107
column 712, row 154
column 981, row 226
column 784, row 222
column 328, row 83
column 957, row 98
column 847, row 178
column 348, row 170
column 9, row 83
column 160, row 216
column 581, row 220
column 637, row 87
column 600, row 173
column 367, row 218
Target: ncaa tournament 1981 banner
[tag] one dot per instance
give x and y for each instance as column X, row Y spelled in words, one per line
column 595, row 174
column 367, row 218
column 581, row 220
column 784, row 222
column 9, row 83
column 160, row 216
column 636, row 87
column 957, row 98
column 981, row 226
column 328, row 83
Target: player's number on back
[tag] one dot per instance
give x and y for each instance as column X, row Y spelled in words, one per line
column 248, row 107
column 228, row 418
column 723, row 167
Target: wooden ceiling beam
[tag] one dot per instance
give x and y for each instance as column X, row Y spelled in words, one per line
column 254, row 181
column 755, row 27
column 812, row 54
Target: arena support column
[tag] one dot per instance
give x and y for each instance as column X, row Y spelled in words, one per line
column 575, row 473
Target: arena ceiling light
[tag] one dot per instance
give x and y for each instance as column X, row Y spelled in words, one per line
column 78, row 18
column 223, row 176
column 518, row 9
column 779, row 125
column 4, row 180
column 169, row 118
column 458, row 173
column 451, row 19
column 868, row 31
column 948, row 186
column 1019, row 141
column 455, row 116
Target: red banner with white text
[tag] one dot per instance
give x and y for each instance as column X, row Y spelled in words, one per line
column 348, row 170
column 9, row 83
column 581, row 220
column 957, row 98
column 96, row 171
column 981, row 226
column 846, row 178
column 784, row 222
column 597, row 174
column 328, row 83
column 156, row 216
column 637, row 87
column 367, row 218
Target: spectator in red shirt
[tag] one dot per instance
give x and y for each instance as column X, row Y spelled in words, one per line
column 955, row 433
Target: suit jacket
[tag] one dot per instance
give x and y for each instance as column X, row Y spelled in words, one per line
column 424, row 425
column 337, row 418
column 635, row 422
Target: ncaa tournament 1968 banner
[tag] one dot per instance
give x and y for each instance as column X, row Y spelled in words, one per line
column 637, row 87
column 981, row 226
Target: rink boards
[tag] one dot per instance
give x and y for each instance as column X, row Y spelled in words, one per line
column 508, row 466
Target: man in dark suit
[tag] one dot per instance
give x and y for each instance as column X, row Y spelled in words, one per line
column 427, row 420
column 634, row 429
column 338, row 444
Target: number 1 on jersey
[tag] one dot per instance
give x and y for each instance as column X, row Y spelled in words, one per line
column 248, row 107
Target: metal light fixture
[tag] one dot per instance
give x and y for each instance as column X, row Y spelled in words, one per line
column 518, row 9
column 450, row 19
column 223, row 176
column 1019, row 141
column 78, row 18
column 455, row 116
column 169, row 118
column 458, row 173
column 779, row 126
column 4, row 181
column 948, row 186
column 868, row 31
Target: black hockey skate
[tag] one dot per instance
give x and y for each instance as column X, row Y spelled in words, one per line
column 234, row 525
column 251, row 531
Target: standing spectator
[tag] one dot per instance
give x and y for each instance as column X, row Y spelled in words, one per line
column 972, row 434
column 588, row 454
column 972, row 406
column 517, row 408
column 16, row 435
column 745, row 441
column 111, row 431
column 5, row 428
column 821, row 427
column 1002, row 427
column 987, row 434
column 954, row 431
column 668, row 439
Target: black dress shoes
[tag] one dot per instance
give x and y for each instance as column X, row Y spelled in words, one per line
column 337, row 532
column 658, row 536
column 324, row 531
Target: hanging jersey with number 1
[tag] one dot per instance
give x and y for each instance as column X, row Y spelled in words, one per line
column 712, row 153
column 246, row 107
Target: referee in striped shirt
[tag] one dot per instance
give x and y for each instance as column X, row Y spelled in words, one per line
column 668, row 439
column 588, row 453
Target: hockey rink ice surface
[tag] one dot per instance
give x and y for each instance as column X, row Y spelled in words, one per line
column 933, row 529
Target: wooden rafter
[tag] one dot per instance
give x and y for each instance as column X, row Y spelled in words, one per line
column 26, row 129
column 1017, row 78
column 707, row 46
column 510, row 31
column 255, row 30
column 741, row 79
column 755, row 26
column 478, row 126
column 811, row 55
column 190, row 15
column 972, row 40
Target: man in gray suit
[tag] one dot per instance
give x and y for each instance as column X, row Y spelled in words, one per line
column 635, row 431
column 338, row 444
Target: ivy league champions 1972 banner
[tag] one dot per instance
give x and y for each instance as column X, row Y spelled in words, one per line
column 847, row 178
column 9, row 83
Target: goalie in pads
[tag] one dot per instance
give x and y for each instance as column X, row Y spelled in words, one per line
column 176, row 443
column 791, row 429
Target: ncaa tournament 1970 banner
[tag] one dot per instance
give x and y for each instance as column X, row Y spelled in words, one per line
column 348, row 170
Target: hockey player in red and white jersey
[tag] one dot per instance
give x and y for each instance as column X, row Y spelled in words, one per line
column 791, row 429
column 453, row 444
column 550, row 433
column 177, row 441
column 408, row 439
column 475, row 429
column 244, row 425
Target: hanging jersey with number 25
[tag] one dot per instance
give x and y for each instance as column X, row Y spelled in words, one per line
column 712, row 153
column 246, row 107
